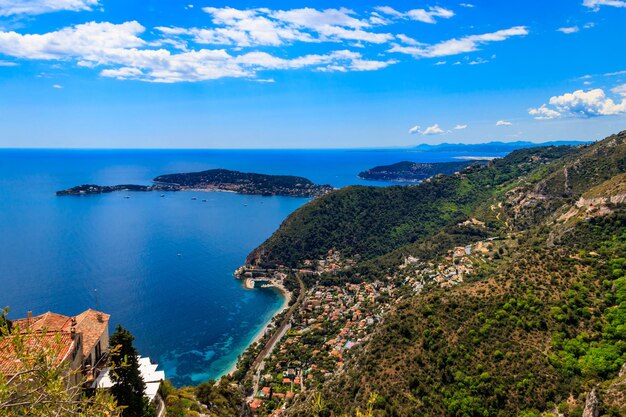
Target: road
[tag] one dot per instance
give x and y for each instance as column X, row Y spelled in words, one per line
column 259, row 362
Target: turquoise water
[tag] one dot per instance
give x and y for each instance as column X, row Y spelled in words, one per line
column 67, row 254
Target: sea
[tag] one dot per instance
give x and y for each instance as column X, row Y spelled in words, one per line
column 162, row 267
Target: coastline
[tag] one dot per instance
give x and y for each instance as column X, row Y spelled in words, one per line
column 287, row 296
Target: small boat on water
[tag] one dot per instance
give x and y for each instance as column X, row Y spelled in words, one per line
column 204, row 201
column 193, row 198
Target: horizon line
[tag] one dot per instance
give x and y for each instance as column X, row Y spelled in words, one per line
column 408, row 147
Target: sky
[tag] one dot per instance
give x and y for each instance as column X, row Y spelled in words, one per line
column 308, row 74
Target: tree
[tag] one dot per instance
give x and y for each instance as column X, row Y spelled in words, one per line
column 40, row 386
column 128, row 386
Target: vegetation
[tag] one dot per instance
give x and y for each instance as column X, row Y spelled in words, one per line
column 373, row 221
column 128, row 386
column 222, row 399
column 246, row 183
column 539, row 324
column 406, row 171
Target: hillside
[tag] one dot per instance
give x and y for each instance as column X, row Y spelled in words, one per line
column 407, row 171
column 535, row 327
column 246, row 183
column 372, row 221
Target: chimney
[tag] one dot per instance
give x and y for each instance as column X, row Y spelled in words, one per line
column 73, row 328
column 100, row 318
column 29, row 318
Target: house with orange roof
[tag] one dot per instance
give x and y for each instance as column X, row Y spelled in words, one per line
column 81, row 341
column 256, row 404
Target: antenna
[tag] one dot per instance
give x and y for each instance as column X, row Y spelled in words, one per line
column 95, row 292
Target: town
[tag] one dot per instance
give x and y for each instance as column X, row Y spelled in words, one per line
column 334, row 320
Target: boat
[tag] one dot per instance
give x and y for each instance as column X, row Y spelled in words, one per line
column 193, row 198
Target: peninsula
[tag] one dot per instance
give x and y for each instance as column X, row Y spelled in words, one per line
column 216, row 180
column 407, row 171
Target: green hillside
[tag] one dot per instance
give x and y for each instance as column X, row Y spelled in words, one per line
column 539, row 326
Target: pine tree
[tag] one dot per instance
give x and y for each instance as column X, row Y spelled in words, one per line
column 128, row 386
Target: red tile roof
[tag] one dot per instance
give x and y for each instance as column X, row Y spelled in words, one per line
column 58, row 343
column 91, row 324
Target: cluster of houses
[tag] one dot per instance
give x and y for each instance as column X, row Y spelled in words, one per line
column 452, row 269
column 333, row 262
column 81, row 345
column 449, row 271
column 330, row 322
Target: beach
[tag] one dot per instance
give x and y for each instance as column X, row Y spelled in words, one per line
column 287, row 296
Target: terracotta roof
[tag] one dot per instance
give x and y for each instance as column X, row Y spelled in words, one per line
column 50, row 321
column 91, row 324
column 60, row 343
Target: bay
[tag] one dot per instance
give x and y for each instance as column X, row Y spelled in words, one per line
column 161, row 266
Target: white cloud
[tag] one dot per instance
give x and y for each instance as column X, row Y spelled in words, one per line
column 125, row 55
column 459, row 46
column 544, row 113
column 91, row 41
column 596, row 4
column 35, row 7
column 460, row 127
column 414, row 130
column 7, row 63
column 503, row 123
column 467, row 5
column 440, row 63
column 569, row 30
column 620, row 89
column 478, row 61
column 432, row 130
column 261, row 27
column 581, row 103
column 429, row 15
column 57, row 86
column 407, row 40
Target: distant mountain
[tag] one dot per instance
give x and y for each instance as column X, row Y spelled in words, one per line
column 494, row 146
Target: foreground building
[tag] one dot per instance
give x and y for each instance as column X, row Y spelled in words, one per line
column 80, row 342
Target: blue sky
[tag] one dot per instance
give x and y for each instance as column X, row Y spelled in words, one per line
column 297, row 74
